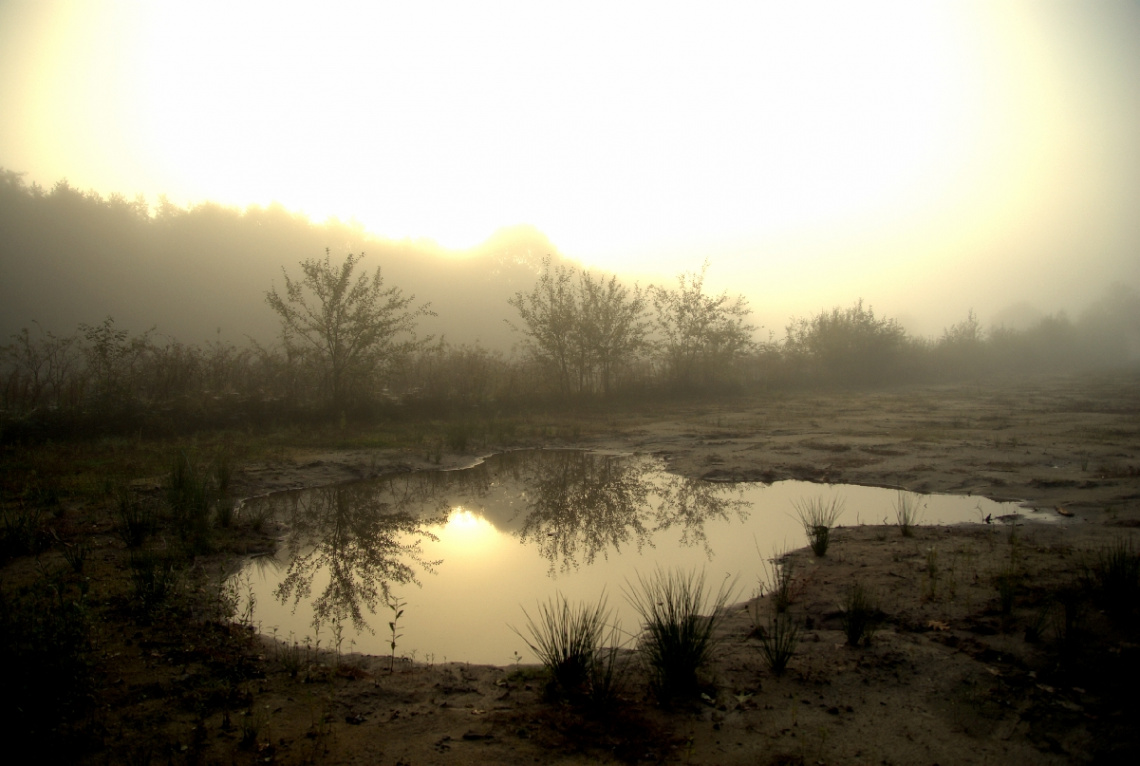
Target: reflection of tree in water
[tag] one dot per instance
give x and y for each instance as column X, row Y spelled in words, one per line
column 580, row 504
column 358, row 534
column 689, row 503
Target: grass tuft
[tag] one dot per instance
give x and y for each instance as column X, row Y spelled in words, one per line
column 679, row 616
column 818, row 516
column 861, row 615
column 568, row 642
column 1117, row 575
column 778, row 642
column 777, row 581
column 907, row 512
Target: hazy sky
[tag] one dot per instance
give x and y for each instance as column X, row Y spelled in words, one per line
column 927, row 156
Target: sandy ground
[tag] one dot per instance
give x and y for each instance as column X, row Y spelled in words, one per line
column 946, row 679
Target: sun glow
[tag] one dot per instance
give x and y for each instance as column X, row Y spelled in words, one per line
column 452, row 122
column 847, row 140
column 468, row 532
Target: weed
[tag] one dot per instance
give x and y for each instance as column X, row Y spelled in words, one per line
column 253, row 721
column 777, row 581
column 818, row 516
column 1117, row 575
column 1007, row 582
column 22, row 531
column 932, row 572
column 152, row 577
column 861, row 615
column 907, row 512
column 134, row 518
column 608, row 671
column 397, row 607
column 679, row 619
column 1069, row 625
column 75, row 554
column 778, row 642
column 291, row 660
column 190, row 496
column 567, row 642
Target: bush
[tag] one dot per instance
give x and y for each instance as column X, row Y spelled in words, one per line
column 568, row 642
column 679, row 620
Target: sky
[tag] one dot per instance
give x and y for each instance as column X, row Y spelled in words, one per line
column 928, row 157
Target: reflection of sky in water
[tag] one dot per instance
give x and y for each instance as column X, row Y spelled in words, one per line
column 524, row 526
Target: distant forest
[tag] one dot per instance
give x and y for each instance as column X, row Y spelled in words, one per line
column 243, row 338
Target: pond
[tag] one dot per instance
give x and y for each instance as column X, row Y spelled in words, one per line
column 467, row 551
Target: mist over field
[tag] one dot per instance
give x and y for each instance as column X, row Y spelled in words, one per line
column 200, row 273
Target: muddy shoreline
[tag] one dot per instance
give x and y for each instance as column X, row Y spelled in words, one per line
column 946, row 679
column 996, row 643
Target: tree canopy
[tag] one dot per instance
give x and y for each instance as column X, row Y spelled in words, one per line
column 352, row 330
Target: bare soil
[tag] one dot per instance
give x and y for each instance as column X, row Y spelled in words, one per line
column 947, row 678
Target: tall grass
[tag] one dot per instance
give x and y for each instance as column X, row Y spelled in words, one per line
column 568, row 642
column 191, row 495
column 777, row 580
column 818, row 516
column 778, row 642
column 679, row 616
column 861, row 615
column 135, row 519
column 1117, row 575
column 907, row 511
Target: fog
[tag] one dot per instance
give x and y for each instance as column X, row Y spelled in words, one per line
column 200, row 274
column 930, row 159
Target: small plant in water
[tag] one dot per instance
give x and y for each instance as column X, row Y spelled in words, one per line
column 818, row 516
column 861, row 615
column 679, row 616
column 907, row 511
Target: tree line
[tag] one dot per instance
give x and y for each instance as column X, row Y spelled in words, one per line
column 349, row 346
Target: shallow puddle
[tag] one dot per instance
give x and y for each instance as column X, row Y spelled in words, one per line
column 467, row 551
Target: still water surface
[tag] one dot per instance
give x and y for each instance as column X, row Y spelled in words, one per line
column 468, row 550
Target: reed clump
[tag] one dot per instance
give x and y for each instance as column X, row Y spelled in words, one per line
column 908, row 509
column 818, row 516
column 679, row 615
column 568, row 641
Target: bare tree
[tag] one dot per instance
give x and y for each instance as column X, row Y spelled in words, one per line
column 353, row 329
